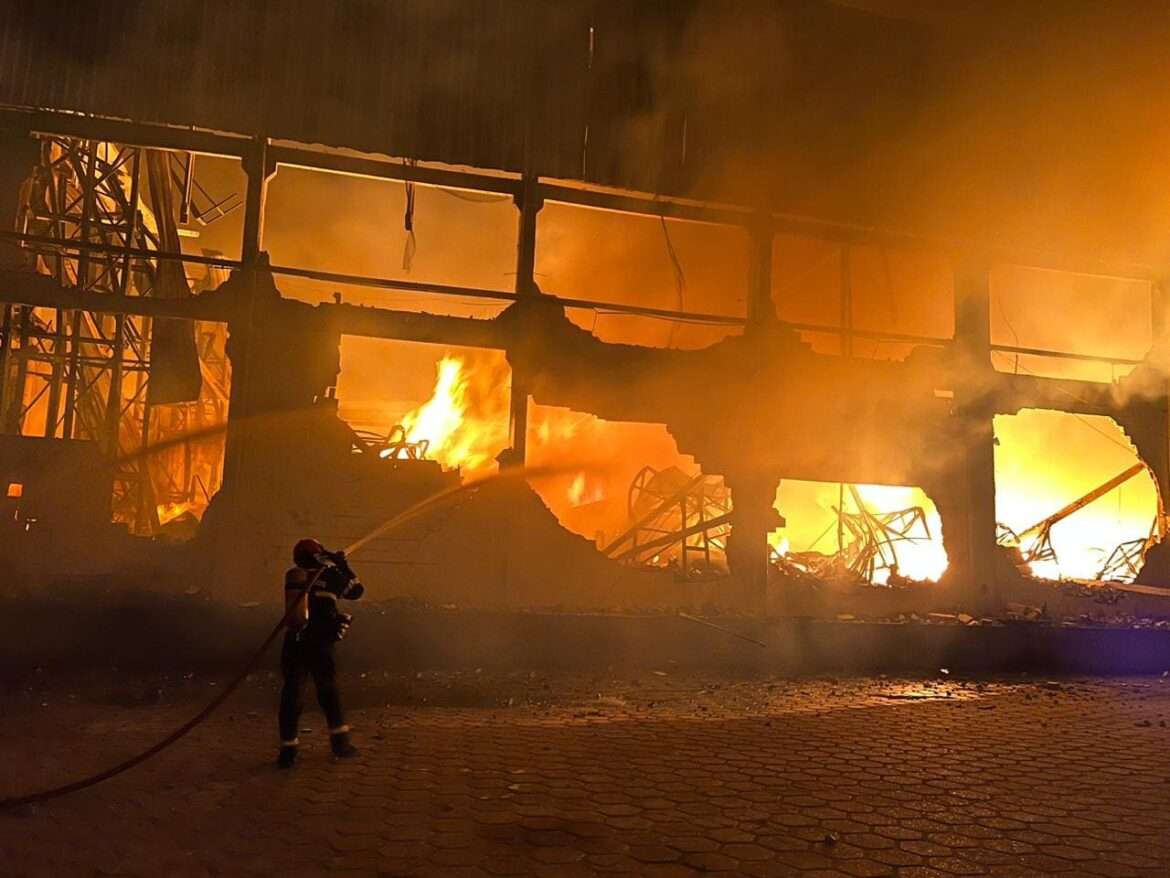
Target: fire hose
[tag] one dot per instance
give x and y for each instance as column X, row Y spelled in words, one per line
column 180, row 732
column 423, row 507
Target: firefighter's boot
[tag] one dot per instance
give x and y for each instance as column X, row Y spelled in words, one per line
column 287, row 757
column 340, row 744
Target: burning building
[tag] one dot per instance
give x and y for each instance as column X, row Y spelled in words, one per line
column 769, row 304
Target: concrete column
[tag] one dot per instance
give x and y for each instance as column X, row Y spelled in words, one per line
column 529, row 202
column 242, row 330
column 260, row 170
column 753, row 495
column 240, row 350
column 1147, row 421
column 761, row 311
column 974, row 409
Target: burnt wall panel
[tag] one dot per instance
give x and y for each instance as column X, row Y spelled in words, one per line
column 1009, row 122
column 449, row 80
column 643, row 95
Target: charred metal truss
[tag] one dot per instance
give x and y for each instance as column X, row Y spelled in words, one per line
column 92, row 216
column 876, row 536
column 675, row 520
column 868, row 542
column 554, row 361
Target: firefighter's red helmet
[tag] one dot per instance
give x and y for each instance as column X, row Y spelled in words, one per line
column 305, row 553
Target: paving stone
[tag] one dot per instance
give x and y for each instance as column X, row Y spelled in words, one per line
column 769, row 779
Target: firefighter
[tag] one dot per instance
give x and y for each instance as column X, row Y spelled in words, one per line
column 308, row 643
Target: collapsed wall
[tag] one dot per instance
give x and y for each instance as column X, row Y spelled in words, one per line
column 784, row 412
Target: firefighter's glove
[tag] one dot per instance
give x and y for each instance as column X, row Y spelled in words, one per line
column 342, row 623
column 354, row 591
column 339, row 561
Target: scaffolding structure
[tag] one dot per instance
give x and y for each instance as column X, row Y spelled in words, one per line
column 90, row 214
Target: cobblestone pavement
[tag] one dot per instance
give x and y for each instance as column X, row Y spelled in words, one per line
column 663, row 775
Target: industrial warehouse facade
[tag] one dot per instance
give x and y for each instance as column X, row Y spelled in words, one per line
column 174, row 378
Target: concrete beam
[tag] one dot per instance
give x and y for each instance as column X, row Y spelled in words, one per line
column 40, row 291
column 385, row 169
column 408, row 326
column 167, row 137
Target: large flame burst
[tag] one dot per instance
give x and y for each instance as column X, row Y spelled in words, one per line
column 466, row 425
column 457, row 436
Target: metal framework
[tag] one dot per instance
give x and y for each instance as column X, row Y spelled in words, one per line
column 90, row 216
column 675, row 519
column 876, row 536
column 191, row 142
column 1034, row 543
column 395, row 445
column 869, row 543
column 1125, row 562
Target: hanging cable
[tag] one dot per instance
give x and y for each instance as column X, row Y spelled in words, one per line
column 680, row 278
column 409, row 248
column 1015, row 335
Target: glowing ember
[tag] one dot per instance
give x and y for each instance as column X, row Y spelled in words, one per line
column 168, row 512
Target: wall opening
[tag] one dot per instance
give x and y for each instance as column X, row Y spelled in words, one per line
column 624, row 486
column 877, row 534
column 369, row 227
column 639, row 499
column 629, row 259
column 844, row 298
column 448, row 404
column 1085, row 316
column 1048, row 462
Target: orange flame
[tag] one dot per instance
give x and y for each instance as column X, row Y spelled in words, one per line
column 466, row 419
column 922, row 557
column 1045, row 459
column 459, row 437
column 168, row 512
